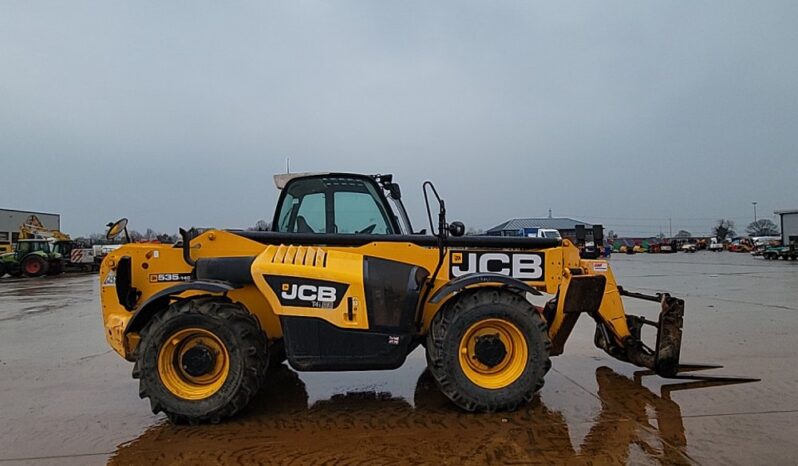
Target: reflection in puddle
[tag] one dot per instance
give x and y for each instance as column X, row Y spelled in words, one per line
column 280, row 427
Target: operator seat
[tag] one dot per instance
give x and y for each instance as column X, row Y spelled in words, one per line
column 302, row 225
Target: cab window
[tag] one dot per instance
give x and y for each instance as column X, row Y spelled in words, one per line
column 359, row 213
column 310, row 215
column 333, row 205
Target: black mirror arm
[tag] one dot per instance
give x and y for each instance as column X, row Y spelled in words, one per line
column 187, row 236
column 441, row 211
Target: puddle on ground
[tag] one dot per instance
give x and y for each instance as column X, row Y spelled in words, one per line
column 282, row 426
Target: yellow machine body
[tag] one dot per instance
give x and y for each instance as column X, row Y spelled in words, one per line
column 162, row 266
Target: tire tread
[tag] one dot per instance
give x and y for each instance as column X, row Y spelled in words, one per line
column 254, row 351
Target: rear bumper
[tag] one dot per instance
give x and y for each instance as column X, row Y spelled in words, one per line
column 115, row 334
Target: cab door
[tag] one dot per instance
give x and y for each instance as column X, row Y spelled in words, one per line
column 370, row 323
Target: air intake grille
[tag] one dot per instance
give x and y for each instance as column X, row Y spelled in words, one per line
column 299, row 255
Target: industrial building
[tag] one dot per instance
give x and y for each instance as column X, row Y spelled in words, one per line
column 11, row 220
column 517, row 226
column 789, row 225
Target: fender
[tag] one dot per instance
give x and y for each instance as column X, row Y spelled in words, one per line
column 460, row 283
column 151, row 306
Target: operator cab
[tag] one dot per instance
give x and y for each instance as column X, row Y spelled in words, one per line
column 26, row 246
column 334, row 203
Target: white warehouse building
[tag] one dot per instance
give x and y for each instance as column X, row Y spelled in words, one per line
column 789, row 225
column 11, row 220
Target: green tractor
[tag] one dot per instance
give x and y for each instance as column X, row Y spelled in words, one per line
column 32, row 258
column 789, row 252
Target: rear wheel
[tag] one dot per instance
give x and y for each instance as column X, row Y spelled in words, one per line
column 14, row 270
column 201, row 360
column 34, row 266
column 56, row 268
column 2, row 269
column 488, row 350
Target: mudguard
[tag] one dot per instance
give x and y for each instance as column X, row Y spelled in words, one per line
column 460, row 283
column 158, row 301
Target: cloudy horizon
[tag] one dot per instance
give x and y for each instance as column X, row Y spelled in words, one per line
column 621, row 113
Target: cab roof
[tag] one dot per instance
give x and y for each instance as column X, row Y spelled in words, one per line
column 281, row 180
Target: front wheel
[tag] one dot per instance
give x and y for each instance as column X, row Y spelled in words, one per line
column 201, row 360
column 34, row 266
column 488, row 350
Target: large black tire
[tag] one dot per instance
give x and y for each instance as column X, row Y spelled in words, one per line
column 243, row 340
column 34, row 266
column 2, row 269
column 451, row 324
column 56, row 268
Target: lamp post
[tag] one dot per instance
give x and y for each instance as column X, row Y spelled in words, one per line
column 754, row 203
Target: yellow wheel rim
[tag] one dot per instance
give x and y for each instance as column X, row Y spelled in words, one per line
column 509, row 368
column 175, row 376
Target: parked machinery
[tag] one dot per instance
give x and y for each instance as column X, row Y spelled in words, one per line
column 788, row 252
column 32, row 258
column 75, row 256
column 589, row 242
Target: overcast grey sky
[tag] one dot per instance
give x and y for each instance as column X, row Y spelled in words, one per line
column 178, row 113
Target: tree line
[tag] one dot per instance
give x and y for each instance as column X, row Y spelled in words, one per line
column 725, row 229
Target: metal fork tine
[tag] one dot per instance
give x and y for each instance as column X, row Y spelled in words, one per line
column 697, row 367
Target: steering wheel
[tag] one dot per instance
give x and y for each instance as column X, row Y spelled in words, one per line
column 369, row 229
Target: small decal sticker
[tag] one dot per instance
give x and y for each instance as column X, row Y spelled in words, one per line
column 393, row 340
column 110, row 279
column 169, row 277
column 600, row 266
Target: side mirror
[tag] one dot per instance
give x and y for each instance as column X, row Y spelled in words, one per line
column 115, row 229
column 456, row 229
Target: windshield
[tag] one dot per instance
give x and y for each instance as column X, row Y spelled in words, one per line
column 32, row 246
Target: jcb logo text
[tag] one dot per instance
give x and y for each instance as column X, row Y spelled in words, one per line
column 307, row 292
column 324, row 294
column 523, row 266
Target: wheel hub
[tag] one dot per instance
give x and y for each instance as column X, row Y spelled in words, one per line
column 198, row 360
column 493, row 353
column 193, row 363
column 490, row 350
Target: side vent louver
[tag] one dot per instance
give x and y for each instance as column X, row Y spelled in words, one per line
column 299, row 255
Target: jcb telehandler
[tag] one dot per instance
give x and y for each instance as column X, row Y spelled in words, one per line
column 343, row 282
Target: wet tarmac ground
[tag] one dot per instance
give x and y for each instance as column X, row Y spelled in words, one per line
column 66, row 398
